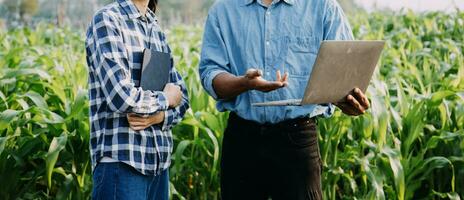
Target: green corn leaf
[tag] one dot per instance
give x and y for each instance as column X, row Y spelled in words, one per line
column 192, row 121
column 443, row 137
column 3, row 97
column 449, row 195
column 216, row 152
column 3, row 141
column 47, row 116
column 38, row 100
column 6, row 117
column 394, row 157
column 27, row 72
column 439, row 96
column 210, row 120
column 178, row 156
column 56, row 146
column 174, row 191
column 79, row 104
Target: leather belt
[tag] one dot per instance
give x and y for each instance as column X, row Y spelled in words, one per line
column 286, row 124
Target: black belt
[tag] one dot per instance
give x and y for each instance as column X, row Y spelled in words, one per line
column 286, row 124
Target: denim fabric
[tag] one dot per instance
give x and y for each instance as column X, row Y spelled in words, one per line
column 118, row 180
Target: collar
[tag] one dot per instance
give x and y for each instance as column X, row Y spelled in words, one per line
column 133, row 12
column 248, row 2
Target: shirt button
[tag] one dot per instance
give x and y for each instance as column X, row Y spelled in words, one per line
column 268, row 43
column 268, row 12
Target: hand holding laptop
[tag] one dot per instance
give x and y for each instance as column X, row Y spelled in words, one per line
column 340, row 66
column 355, row 104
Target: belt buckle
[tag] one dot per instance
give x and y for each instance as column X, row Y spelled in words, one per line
column 300, row 122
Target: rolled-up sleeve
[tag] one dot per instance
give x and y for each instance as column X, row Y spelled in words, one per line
column 174, row 115
column 336, row 25
column 214, row 59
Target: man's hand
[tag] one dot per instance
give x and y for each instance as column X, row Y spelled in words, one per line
column 256, row 82
column 137, row 122
column 174, row 94
column 356, row 104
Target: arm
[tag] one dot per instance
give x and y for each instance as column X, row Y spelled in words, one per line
column 214, row 59
column 215, row 73
column 168, row 118
column 228, row 86
column 177, row 92
column 336, row 25
column 174, row 115
column 111, row 65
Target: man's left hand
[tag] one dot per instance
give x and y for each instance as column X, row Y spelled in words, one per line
column 355, row 104
column 138, row 122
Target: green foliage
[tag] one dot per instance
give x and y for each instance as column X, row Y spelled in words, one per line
column 409, row 146
column 44, row 129
column 195, row 169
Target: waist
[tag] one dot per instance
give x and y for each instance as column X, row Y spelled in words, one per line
column 283, row 125
column 273, row 114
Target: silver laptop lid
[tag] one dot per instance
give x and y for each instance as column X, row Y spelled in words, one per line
column 340, row 67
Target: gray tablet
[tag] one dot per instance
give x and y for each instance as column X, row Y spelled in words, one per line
column 155, row 70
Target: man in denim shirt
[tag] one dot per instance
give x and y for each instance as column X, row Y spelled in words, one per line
column 264, row 50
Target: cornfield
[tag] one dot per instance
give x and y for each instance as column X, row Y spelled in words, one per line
column 410, row 145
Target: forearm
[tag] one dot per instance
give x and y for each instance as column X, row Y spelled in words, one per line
column 228, row 86
column 124, row 98
column 174, row 115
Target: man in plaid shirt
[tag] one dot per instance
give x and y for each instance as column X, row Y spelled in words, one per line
column 131, row 140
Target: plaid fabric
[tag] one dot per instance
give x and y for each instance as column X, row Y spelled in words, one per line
column 116, row 38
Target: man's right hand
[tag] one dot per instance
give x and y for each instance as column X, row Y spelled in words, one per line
column 174, row 94
column 255, row 81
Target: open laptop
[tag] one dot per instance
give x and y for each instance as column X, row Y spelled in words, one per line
column 340, row 67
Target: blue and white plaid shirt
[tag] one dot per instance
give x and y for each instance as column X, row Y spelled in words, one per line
column 116, row 38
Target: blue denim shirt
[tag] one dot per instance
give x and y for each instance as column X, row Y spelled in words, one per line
column 285, row 36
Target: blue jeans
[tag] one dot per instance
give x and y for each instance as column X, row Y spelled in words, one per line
column 121, row 181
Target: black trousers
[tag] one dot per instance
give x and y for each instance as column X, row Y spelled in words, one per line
column 279, row 161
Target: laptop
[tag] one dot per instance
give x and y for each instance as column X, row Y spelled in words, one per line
column 340, row 67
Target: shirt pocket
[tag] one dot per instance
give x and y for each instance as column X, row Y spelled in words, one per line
column 304, row 44
column 301, row 54
column 295, row 89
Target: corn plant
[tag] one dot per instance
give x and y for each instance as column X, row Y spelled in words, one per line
column 195, row 169
column 410, row 145
column 44, row 129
